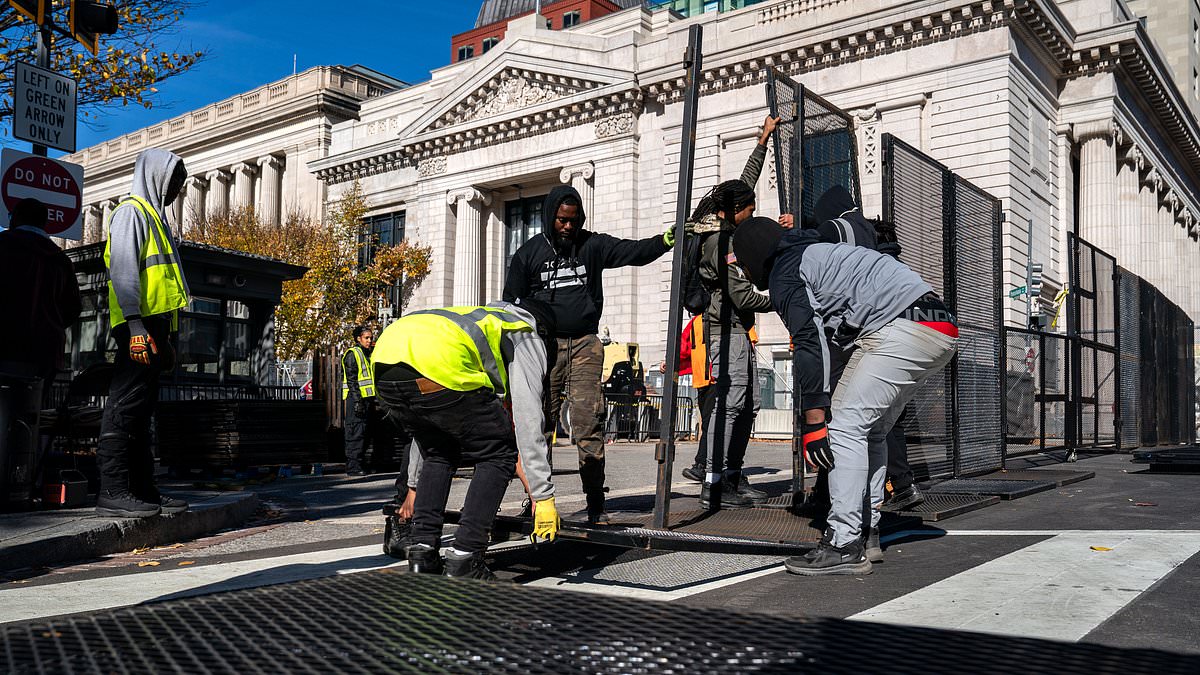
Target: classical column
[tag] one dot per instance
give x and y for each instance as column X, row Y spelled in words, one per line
column 243, row 185
column 218, row 193
column 468, row 244
column 1193, row 274
column 106, row 209
column 1097, row 183
column 580, row 178
column 175, row 215
column 1149, row 256
column 93, row 226
column 271, row 180
column 1182, row 248
column 193, row 206
column 1129, row 211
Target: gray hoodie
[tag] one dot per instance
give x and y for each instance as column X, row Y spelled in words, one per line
column 526, row 378
column 128, row 230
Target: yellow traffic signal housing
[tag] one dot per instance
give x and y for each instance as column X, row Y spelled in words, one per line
column 89, row 19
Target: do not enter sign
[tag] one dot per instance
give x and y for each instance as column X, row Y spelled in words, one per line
column 58, row 185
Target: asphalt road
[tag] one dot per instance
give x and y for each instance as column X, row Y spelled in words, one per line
column 1112, row 560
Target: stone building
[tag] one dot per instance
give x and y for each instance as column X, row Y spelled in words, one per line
column 1066, row 110
column 249, row 150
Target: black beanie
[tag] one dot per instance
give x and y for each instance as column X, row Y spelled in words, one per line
column 754, row 244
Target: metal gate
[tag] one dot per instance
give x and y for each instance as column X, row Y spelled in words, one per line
column 814, row 146
column 1092, row 326
column 949, row 231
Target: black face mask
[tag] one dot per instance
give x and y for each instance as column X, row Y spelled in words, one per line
column 175, row 185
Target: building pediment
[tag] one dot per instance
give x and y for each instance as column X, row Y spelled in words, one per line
column 507, row 86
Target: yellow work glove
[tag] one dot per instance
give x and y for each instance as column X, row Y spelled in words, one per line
column 545, row 520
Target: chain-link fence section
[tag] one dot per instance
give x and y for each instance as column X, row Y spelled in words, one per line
column 949, row 231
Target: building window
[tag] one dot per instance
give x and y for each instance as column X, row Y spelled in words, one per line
column 200, row 337
column 712, row 6
column 571, row 19
column 465, row 52
column 383, row 230
column 488, row 43
column 522, row 221
column 781, row 367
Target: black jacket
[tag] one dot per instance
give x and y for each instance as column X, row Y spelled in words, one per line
column 567, row 276
column 40, row 300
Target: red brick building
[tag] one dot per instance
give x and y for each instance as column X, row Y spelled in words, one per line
column 494, row 16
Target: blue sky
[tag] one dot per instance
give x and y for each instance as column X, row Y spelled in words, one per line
column 251, row 42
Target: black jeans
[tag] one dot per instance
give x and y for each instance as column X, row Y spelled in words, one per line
column 355, row 434
column 453, row 429
column 123, row 453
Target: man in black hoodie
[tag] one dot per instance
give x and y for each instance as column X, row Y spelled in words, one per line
column 563, row 268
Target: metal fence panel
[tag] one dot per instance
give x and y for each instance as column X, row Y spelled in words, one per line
column 950, row 230
column 1129, row 367
column 783, row 100
column 1092, row 326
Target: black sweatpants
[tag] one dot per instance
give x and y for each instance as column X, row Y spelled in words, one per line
column 354, row 431
column 123, row 453
column 453, row 429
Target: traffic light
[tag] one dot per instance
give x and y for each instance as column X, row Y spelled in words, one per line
column 1035, row 281
column 88, row 20
column 34, row 10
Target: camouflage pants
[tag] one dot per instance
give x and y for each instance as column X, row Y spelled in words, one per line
column 576, row 379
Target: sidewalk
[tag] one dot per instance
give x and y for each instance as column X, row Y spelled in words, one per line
column 41, row 538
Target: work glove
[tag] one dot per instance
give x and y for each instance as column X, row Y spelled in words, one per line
column 141, row 346
column 360, row 408
column 545, row 520
column 817, row 453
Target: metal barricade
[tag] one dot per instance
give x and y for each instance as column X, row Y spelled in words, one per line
column 950, row 230
column 1092, row 327
column 1037, row 390
column 637, row 418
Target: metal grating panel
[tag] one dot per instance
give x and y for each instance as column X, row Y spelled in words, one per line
column 942, row 506
column 1129, row 355
column 384, row 621
column 1005, row 489
column 1059, row 477
column 828, row 151
column 783, row 99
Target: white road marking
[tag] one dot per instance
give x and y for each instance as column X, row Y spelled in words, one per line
column 1058, row 589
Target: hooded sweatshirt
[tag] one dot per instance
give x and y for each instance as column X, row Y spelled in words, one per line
column 567, row 274
column 40, row 299
column 849, row 291
column 128, row 229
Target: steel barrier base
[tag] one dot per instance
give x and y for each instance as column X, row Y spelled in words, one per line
column 391, row 621
column 1168, row 457
column 1005, row 489
column 942, row 506
column 1059, row 477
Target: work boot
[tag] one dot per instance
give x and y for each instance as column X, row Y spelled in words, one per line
column 902, row 500
column 397, row 537
column 467, row 566
column 727, row 496
column 595, row 509
column 121, row 503
column 871, row 546
column 746, row 490
column 167, row 505
column 424, row 559
column 827, row 559
column 695, row 473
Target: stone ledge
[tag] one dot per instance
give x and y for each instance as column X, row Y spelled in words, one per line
column 79, row 534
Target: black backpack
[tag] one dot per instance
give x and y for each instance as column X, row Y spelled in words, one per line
column 695, row 296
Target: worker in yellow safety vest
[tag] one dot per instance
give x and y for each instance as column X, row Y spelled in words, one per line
column 146, row 290
column 445, row 375
column 358, row 396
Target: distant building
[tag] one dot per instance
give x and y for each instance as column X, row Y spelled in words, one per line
column 695, row 7
column 1175, row 27
column 494, row 16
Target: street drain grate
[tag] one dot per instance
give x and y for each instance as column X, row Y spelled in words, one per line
column 384, row 621
column 1005, row 489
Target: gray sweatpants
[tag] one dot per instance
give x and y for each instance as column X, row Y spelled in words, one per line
column 879, row 380
column 734, row 405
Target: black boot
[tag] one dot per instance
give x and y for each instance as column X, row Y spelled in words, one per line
column 397, row 537
column 743, row 487
column 424, row 559
column 168, row 505
column 468, row 566
column 726, row 496
column 827, row 559
column 695, row 473
column 121, row 503
column 871, row 545
column 904, row 499
column 595, row 508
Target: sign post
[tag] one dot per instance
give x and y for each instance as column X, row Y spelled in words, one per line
column 44, row 108
column 58, row 185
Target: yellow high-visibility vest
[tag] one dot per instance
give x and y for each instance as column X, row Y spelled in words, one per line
column 365, row 375
column 460, row 348
column 161, row 278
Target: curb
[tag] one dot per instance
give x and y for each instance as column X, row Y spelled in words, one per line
column 126, row 534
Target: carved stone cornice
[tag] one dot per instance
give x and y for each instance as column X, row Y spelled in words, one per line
column 469, row 195
column 616, row 125
column 510, row 90
column 433, row 166
column 585, row 171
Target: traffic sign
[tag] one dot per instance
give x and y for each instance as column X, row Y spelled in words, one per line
column 58, row 185
column 1016, row 292
column 44, row 107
